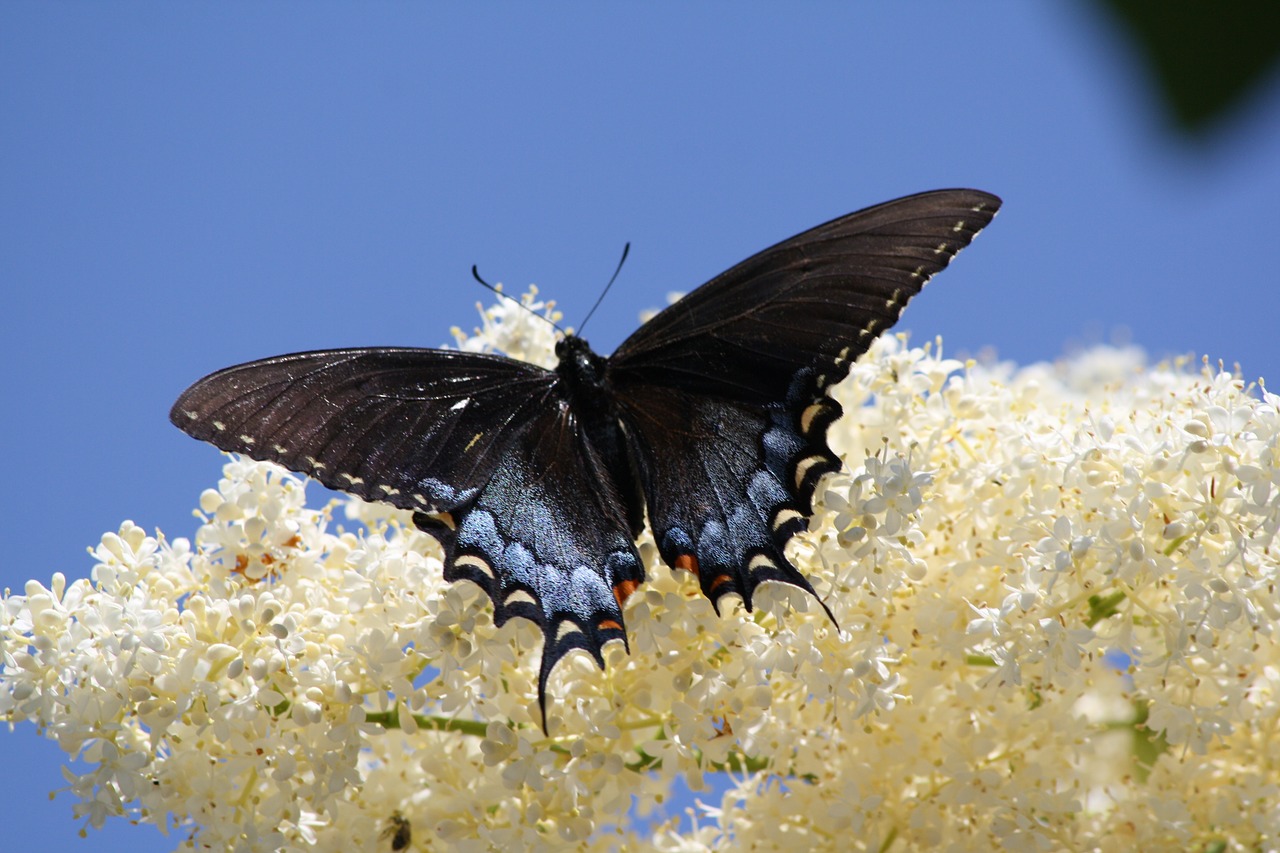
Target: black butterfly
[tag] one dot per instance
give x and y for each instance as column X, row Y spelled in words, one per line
column 712, row 417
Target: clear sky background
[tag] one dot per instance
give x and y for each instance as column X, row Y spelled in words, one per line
column 188, row 186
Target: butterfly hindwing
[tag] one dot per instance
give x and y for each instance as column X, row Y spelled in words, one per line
column 727, row 484
column 417, row 428
column 548, row 539
column 725, row 391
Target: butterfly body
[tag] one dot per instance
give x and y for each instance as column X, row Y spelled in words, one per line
column 589, row 399
column 710, row 421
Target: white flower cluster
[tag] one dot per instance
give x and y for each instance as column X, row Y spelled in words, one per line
column 514, row 329
column 1056, row 588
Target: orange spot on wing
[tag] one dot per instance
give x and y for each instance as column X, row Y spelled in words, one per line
column 609, row 624
column 622, row 591
column 720, row 581
column 688, row 562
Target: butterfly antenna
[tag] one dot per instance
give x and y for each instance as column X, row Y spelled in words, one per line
column 625, row 250
column 475, row 272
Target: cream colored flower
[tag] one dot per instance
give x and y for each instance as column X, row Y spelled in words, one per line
column 1000, row 538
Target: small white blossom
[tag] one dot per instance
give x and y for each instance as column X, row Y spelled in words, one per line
column 1055, row 589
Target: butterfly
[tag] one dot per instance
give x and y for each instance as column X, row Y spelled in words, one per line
column 710, row 419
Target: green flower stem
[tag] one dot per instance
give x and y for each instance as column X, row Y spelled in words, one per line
column 735, row 762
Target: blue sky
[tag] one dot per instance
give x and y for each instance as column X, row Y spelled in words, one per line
column 187, row 186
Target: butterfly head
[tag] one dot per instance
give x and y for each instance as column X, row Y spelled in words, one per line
column 579, row 365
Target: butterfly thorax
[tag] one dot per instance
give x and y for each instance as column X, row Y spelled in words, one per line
column 584, row 379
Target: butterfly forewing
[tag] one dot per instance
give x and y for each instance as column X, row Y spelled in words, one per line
column 421, row 429
column 815, row 300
